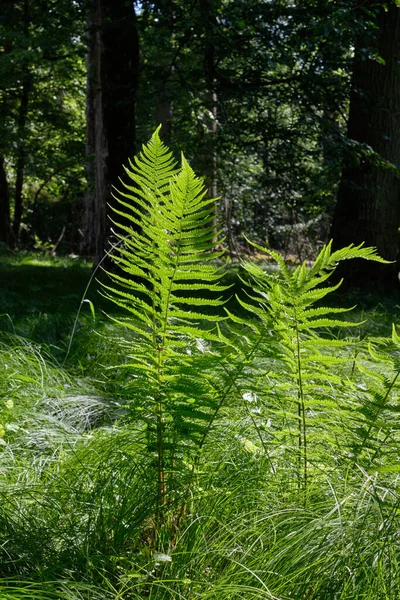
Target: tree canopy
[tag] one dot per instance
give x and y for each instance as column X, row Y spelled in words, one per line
column 259, row 95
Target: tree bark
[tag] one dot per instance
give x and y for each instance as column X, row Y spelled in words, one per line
column 21, row 131
column 368, row 203
column 113, row 57
column 5, row 229
column 210, row 96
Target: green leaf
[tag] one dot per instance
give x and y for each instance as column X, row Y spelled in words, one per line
column 91, row 306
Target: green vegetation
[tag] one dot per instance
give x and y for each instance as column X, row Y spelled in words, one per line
column 178, row 452
column 268, row 100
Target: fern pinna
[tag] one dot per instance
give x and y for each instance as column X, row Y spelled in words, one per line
column 376, row 428
column 165, row 262
column 304, row 375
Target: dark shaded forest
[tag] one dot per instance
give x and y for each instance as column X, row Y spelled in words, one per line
column 290, row 111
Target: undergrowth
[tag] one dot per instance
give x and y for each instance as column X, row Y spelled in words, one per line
column 184, row 451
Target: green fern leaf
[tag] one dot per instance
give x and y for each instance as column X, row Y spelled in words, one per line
column 308, row 370
column 163, row 265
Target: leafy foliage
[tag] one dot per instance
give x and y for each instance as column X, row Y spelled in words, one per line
column 42, row 105
column 266, row 56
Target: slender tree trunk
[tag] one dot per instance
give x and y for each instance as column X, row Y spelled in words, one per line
column 211, row 172
column 164, row 102
column 21, row 131
column 5, row 229
column 211, row 103
column 330, row 136
column 165, row 113
column 21, row 157
column 113, row 56
column 210, row 158
column 368, row 204
column 34, row 205
column 88, row 241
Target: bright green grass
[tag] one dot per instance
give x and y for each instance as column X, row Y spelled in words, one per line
column 76, row 489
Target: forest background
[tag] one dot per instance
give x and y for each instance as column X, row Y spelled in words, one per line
column 290, row 110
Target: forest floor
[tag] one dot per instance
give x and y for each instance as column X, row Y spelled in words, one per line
column 41, row 294
column 77, row 513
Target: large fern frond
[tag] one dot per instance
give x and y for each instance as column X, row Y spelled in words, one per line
column 165, row 272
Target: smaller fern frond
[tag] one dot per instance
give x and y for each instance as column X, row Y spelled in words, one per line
column 376, row 428
column 308, row 373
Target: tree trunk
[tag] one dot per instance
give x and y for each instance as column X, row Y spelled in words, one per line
column 88, row 241
column 210, row 157
column 211, row 167
column 5, row 230
column 164, row 101
column 113, row 56
column 21, row 131
column 368, row 204
column 165, row 113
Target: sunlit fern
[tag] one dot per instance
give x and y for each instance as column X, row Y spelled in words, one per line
column 165, row 271
column 303, row 381
column 376, row 428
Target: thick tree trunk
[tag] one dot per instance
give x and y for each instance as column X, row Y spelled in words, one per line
column 5, row 229
column 368, row 204
column 113, row 56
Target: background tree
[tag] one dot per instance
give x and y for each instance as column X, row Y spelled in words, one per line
column 112, row 72
column 368, row 207
column 263, row 86
column 5, row 226
column 40, row 108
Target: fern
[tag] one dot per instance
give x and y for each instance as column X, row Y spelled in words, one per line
column 304, row 370
column 165, row 271
column 376, row 420
column 180, row 377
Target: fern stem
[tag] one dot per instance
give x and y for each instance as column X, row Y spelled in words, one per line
column 160, row 457
column 301, row 407
column 162, row 484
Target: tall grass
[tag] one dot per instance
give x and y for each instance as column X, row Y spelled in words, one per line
column 280, row 474
column 78, row 500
